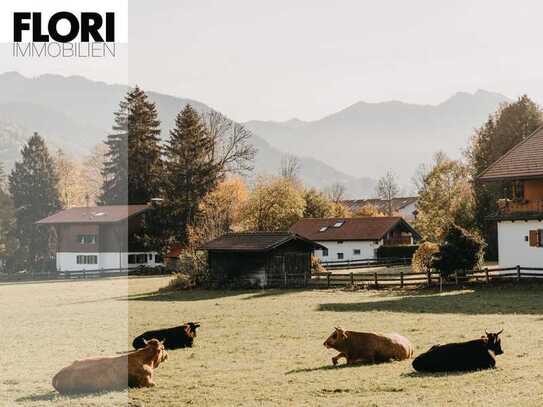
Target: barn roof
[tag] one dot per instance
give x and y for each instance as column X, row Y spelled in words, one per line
column 363, row 228
column 523, row 161
column 255, row 241
column 381, row 204
column 94, row 214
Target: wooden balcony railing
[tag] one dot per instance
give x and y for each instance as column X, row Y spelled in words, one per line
column 507, row 207
column 397, row 241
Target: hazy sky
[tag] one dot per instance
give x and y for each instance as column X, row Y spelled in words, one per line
column 281, row 59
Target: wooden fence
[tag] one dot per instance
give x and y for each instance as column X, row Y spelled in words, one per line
column 365, row 263
column 404, row 279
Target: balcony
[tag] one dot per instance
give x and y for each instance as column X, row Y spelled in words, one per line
column 398, row 241
column 508, row 207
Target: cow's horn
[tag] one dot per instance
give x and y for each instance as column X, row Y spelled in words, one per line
column 486, row 332
column 499, row 332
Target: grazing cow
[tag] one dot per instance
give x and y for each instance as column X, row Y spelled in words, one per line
column 134, row 369
column 173, row 338
column 462, row 356
column 368, row 347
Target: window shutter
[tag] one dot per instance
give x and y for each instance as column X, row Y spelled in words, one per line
column 535, row 238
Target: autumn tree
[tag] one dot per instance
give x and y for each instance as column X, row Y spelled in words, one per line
column 367, row 210
column 93, row 172
column 511, row 124
column 317, row 204
column 33, row 186
column 336, row 192
column 7, row 214
column 445, row 198
column 290, row 167
column 387, row 189
column 274, row 204
column 71, row 184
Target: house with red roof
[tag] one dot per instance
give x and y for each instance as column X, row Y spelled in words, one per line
column 355, row 238
column 95, row 238
column 520, row 213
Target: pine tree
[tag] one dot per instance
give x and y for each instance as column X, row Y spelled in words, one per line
column 190, row 171
column 133, row 161
column 33, row 188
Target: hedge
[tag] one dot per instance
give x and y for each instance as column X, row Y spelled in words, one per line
column 404, row 252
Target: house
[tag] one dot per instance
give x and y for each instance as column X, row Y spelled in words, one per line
column 519, row 214
column 94, row 238
column 355, row 238
column 264, row 259
column 405, row 207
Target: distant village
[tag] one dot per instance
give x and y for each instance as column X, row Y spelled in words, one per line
column 187, row 205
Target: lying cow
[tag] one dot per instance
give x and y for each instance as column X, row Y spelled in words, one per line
column 134, row 369
column 368, row 347
column 173, row 338
column 462, row 356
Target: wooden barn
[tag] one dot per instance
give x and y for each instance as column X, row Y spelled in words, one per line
column 260, row 259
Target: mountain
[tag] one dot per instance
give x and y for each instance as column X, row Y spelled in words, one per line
column 77, row 113
column 367, row 139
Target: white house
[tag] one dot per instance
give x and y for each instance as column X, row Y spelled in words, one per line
column 406, row 207
column 355, row 238
column 520, row 215
column 94, row 238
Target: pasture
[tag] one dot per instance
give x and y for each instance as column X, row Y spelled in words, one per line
column 260, row 348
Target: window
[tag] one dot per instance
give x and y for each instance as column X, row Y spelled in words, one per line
column 86, row 239
column 536, row 238
column 137, row 258
column 324, row 252
column 356, row 252
column 518, row 191
column 159, row 259
column 323, row 229
column 340, row 242
column 339, row 224
column 340, row 256
column 87, row 259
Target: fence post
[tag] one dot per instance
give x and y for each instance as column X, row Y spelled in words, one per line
column 352, row 278
column 456, row 276
column 518, row 273
column 375, row 279
column 487, row 277
column 440, row 282
column 401, row 279
column 429, row 278
column 328, row 278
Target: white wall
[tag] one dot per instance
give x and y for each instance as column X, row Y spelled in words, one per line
column 68, row 261
column 513, row 249
column 367, row 250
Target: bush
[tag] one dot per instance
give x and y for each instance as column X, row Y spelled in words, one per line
column 424, row 257
column 460, row 251
column 399, row 252
column 192, row 272
column 316, row 266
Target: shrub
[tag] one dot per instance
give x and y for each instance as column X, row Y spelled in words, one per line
column 424, row 256
column 401, row 252
column 460, row 251
column 192, row 272
column 316, row 266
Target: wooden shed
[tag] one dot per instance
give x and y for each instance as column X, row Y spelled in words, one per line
column 260, row 259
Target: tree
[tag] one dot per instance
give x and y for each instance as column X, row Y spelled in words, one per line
column 336, row 192
column 446, row 197
column 93, row 170
column 275, row 204
column 33, row 185
column 290, row 167
column 511, row 124
column 71, row 184
column 317, row 204
column 387, row 189
column 7, row 213
column 133, row 161
column 367, row 210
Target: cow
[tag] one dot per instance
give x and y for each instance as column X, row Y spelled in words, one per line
column 368, row 347
column 462, row 356
column 134, row 369
column 173, row 338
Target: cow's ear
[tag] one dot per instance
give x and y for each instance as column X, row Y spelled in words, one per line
column 145, row 342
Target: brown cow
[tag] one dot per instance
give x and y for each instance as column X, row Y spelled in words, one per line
column 368, row 347
column 134, row 369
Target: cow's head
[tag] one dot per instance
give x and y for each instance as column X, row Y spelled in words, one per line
column 494, row 342
column 336, row 338
column 190, row 329
column 157, row 350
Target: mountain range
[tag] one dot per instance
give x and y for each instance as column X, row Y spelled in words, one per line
column 353, row 146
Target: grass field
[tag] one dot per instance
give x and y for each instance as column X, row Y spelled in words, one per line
column 265, row 347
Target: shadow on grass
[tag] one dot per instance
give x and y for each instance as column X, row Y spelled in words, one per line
column 270, row 293
column 415, row 374
column 49, row 396
column 492, row 300
column 326, row 367
column 188, row 295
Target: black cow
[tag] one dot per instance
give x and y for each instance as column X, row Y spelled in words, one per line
column 462, row 356
column 173, row 338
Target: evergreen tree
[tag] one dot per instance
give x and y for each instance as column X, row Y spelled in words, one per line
column 6, row 218
column 33, row 188
column 511, row 124
column 191, row 172
column 133, row 162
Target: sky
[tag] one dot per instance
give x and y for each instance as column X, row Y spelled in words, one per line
column 275, row 60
